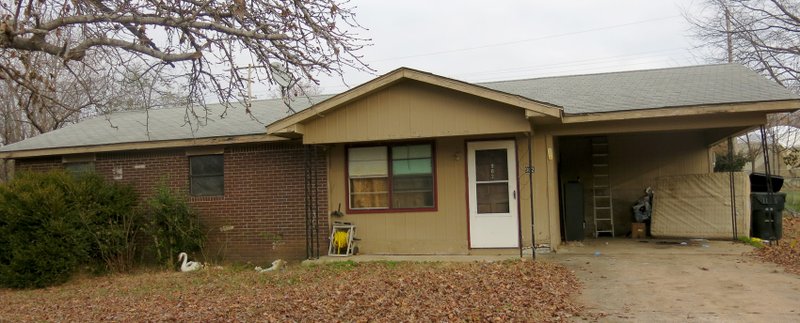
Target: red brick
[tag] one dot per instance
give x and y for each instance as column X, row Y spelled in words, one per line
column 264, row 193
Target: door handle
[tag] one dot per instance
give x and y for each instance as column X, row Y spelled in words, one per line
column 515, row 194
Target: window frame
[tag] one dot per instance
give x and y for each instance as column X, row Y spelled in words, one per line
column 390, row 178
column 89, row 167
column 192, row 176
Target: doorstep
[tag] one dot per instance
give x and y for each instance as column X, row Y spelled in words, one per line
column 414, row 258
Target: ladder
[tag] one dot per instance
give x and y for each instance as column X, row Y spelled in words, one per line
column 602, row 207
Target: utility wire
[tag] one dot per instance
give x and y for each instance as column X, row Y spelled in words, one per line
column 582, row 62
column 560, row 68
column 524, row 40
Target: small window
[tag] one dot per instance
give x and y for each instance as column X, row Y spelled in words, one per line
column 391, row 177
column 77, row 169
column 412, row 177
column 369, row 178
column 207, row 175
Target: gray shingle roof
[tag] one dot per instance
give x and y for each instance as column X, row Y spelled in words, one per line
column 578, row 94
column 164, row 124
column 648, row 89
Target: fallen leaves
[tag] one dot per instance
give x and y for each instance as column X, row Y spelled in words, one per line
column 506, row 291
column 785, row 252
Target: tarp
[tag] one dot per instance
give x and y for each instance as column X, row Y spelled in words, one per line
column 699, row 206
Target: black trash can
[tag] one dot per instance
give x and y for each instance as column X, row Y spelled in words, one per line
column 766, row 216
column 758, row 182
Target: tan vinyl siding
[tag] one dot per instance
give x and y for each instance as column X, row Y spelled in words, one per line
column 429, row 232
column 443, row 231
column 545, row 193
column 412, row 109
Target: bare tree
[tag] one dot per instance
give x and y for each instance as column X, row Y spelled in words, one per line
column 760, row 34
column 763, row 35
column 195, row 44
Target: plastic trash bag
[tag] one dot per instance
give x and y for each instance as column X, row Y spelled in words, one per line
column 643, row 208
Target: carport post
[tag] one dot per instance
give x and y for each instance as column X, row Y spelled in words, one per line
column 733, row 188
column 529, row 170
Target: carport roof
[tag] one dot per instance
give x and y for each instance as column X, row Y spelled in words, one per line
column 648, row 89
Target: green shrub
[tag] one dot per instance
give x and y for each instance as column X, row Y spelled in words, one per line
column 172, row 226
column 110, row 218
column 733, row 164
column 52, row 224
column 40, row 236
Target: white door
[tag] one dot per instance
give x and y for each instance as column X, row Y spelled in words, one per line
column 492, row 180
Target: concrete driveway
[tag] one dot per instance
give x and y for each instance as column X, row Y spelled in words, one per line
column 631, row 281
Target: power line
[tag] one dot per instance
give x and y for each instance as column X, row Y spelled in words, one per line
column 582, row 62
column 524, row 40
column 560, row 68
column 584, row 70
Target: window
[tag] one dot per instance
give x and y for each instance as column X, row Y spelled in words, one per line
column 391, row 177
column 81, row 168
column 206, row 175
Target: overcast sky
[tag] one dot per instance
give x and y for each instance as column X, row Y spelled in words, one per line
column 478, row 41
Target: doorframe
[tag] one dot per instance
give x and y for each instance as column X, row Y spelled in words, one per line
column 467, row 189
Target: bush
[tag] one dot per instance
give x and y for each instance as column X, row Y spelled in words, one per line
column 734, row 164
column 52, row 223
column 172, row 226
column 40, row 236
column 110, row 218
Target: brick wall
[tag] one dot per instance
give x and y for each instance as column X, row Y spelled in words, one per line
column 264, row 199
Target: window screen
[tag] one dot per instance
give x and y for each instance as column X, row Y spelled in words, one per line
column 207, row 175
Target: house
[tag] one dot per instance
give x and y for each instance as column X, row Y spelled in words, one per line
column 247, row 186
column 424, row 164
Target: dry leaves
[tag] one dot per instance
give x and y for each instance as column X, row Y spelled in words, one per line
column 787, row 251
column 382, row 291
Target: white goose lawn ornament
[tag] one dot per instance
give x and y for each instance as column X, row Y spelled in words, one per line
column 188, row 266
column 277, row 264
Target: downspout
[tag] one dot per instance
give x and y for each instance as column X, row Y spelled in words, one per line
column 529, row 170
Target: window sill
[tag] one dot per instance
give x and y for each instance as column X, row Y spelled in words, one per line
column 208, row 198
column 406, row 210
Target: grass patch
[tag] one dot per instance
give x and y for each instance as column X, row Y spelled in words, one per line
column 755, row 242
column 793, row 200
column 341, row 265
column 390, row 264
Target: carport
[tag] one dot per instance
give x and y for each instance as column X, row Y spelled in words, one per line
column 641, row 127
column 601, row 177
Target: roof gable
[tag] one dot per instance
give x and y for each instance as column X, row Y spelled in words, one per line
column 532, row 107
column 411, row 109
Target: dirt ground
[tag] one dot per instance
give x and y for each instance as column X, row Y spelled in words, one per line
column 627, row 280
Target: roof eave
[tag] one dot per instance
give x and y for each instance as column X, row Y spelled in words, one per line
column 147, row 145
column 760, row 106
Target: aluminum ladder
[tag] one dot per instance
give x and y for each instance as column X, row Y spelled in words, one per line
column 602, row 205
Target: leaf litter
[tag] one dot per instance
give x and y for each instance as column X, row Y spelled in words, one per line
column 341, row 292
column 785, row 252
